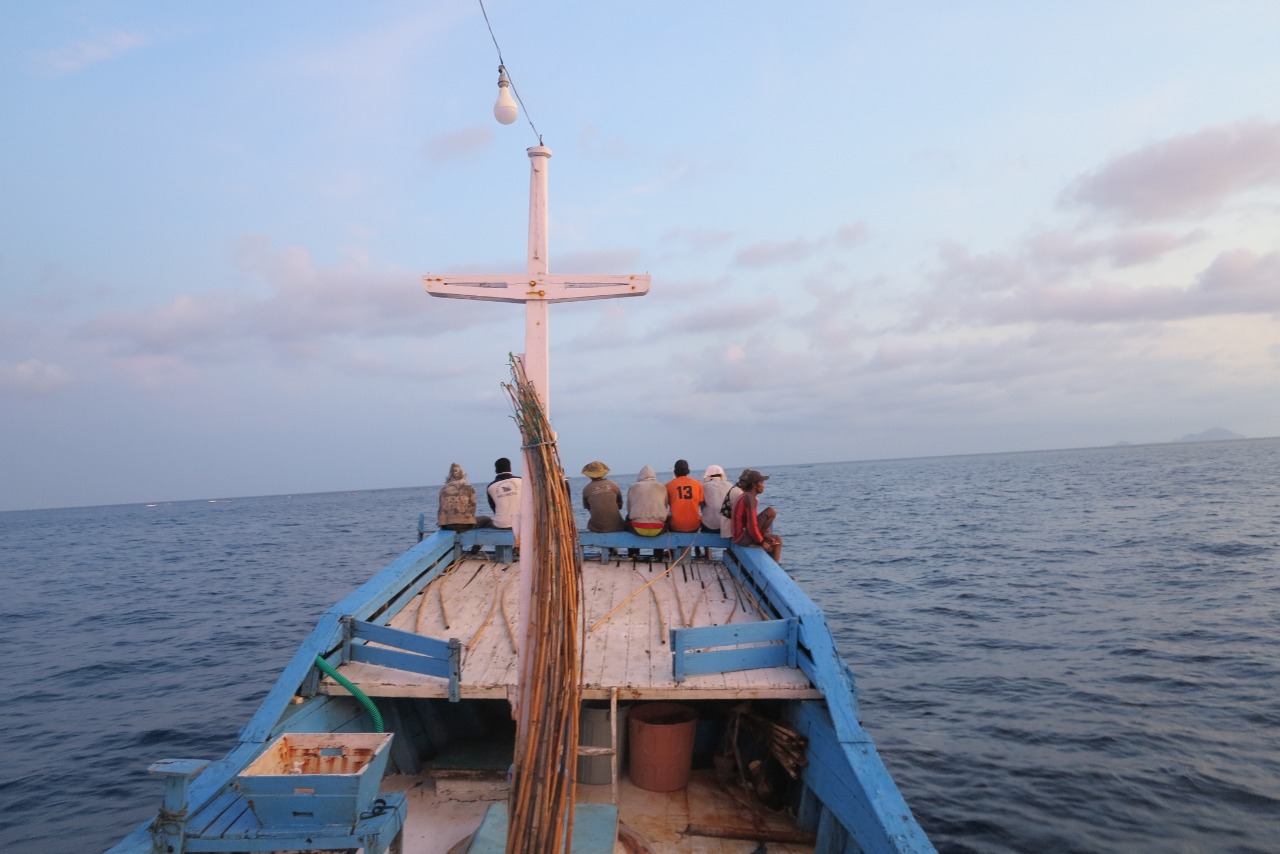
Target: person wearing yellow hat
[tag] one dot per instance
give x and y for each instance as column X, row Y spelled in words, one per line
column 603, row 498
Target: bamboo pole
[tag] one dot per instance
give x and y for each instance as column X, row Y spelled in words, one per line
column 493, row 606
column 506, row 620
column 637, row 592
column 426, row 592
column 541, row 801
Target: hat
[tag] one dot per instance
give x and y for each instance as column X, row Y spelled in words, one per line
column 713, row 471
column 750, row 477
column 681, row 468
column 595, row 469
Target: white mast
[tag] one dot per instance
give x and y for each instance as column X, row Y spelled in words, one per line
column 536, row 289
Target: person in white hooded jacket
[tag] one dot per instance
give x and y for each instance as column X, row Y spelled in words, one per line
column 647, row 507
column 714, row 487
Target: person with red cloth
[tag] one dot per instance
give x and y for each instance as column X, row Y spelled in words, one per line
column 751, row 526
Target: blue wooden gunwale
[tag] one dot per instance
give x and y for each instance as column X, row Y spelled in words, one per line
column 857, row 792
column 371, row 602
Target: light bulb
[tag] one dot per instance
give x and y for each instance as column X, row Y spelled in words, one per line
column 505, row 110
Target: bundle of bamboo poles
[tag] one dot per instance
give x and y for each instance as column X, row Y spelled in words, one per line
column 542, row 787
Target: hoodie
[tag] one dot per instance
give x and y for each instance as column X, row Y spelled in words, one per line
column 457, row 499
column 714, row 487
column 647, row 499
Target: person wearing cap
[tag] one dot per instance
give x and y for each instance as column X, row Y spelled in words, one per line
column 603, row 498
column 684, row 497
column 752, row 526
column 714, row 489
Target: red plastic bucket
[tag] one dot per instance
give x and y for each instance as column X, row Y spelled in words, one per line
column 662, row 745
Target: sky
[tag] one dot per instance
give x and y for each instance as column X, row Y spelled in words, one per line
column 874, row 230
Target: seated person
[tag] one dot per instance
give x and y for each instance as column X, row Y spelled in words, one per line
column 714, row 488
column 504, row 498
column 457, row 502
column 684, row 496
column 647, row 506
column 603, row 498
column 751, row 526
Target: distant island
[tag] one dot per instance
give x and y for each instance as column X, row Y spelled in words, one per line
column 1213, row 434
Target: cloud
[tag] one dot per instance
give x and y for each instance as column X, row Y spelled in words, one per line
column 999, row 290
column 613, row 146
column 305, row 310
column 1191, row 174
column 831, row 324
column 77, row 57
column 32, row 378
column 695, row 241
column 603, row 262
column 755, row 369
column 1065, row 250
column 848, row 236
column 734, row 317
column 1243, row 279
column 1133, row 275
column 459, row 144
column 772, row 253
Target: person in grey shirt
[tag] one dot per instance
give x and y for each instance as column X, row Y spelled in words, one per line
column 603, row 498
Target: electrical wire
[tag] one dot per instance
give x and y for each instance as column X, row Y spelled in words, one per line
column 502, row 65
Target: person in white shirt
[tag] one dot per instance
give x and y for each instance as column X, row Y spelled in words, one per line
column 714, row 487
column 504, row 498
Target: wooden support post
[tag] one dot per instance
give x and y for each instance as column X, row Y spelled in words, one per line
column 613, row 741
column 170, row 827
column 455, row 670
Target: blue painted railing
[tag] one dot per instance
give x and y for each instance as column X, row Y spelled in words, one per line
column 670, row 540
column 411, row 653
column 693, row 650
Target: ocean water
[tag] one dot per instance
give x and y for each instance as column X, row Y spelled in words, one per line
column 1067, row 651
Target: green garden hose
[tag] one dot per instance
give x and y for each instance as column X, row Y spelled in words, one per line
column 378, row 726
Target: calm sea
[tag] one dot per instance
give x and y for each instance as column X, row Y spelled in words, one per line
column 1068, row 651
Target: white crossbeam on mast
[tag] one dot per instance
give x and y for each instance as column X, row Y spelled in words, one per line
column 536, row 287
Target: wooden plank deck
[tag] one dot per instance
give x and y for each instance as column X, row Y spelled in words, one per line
column 476, row 601
column 702, row 818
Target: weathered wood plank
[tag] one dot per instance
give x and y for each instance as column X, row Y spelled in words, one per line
column 626, row 651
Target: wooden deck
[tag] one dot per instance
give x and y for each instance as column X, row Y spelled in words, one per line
column 702, row 818
column 627, row 647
